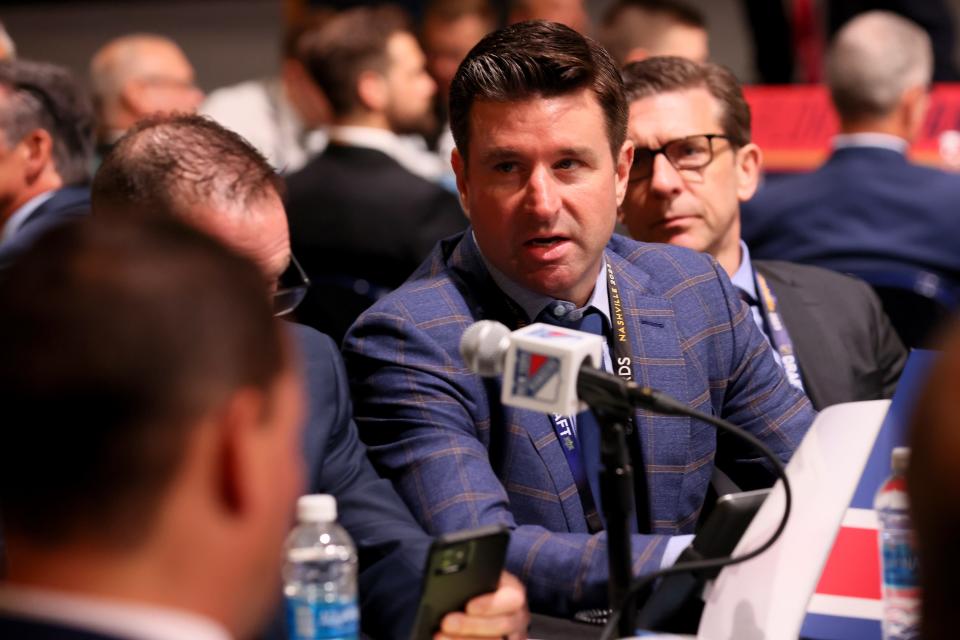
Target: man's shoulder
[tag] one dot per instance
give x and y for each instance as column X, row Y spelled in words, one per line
column 659, row 269
column 367, row 174
column 817, row 283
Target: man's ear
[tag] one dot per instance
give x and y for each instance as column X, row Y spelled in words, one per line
column 237, row 468
column 913, row 107
column 749, row 162
column 37, row 150
column 460, row 171
column 372, row 91
column 624, row 162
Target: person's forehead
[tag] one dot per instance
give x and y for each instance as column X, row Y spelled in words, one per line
column 402, row 46
column 674, row 114
column 159, row 57
column 535, row 110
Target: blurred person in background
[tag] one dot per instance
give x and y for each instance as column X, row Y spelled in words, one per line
column 694, row 164
column 192, row 169
column 572, row 13
column 450, row 29
column 283, row 116
column 868, row 208
column 147, row 473
column 135, row 76
column 362, row 215
column 634, row 30
column 46, row 149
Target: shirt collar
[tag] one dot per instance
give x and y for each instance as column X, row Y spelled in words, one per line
column 533, row 303
column 106, row 616
column 743, row 277
column 877, row 140
column 410, row 152
column 15, row 221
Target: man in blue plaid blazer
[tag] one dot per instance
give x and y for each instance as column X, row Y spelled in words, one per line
column 539, row 118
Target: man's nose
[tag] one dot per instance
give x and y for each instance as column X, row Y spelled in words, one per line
column 542, row 195
column 665, row 179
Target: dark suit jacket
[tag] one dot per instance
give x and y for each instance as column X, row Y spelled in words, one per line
column 356, row 212
column 461, row 459
column 844, row 342
column 865, row 209
column 66, row 204
column 15, row 628
column 392, row 546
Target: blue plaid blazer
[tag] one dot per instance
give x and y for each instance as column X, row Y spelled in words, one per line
column 460, row 459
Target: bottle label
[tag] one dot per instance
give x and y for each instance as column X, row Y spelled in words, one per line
column 899, row 565
column 309, row 619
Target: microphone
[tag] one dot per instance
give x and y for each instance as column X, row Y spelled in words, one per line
column 554, row 370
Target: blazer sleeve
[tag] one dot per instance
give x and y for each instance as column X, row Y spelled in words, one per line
column 392, row 547
column 426, row 419
column 890, row 352
column 758, row 398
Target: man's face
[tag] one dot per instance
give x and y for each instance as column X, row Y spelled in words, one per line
column 447, row 43
column 164, row 82
column 12, row 170
column 410, row 88
column 697, row 209
column 541, row 189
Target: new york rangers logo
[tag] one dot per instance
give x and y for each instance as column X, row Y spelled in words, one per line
column 536, row 376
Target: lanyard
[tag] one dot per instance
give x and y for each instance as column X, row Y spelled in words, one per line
column 779, row 338
column 565, row 427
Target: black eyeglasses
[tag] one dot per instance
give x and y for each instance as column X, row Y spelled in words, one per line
column 292, row 286
column 690, row 153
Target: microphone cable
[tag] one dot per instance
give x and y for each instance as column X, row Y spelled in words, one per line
column 641, row 583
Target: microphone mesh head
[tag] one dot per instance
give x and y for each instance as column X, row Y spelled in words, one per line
column 484, row 345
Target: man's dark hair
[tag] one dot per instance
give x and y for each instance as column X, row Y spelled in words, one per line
column 622, row 34
column 118, row 337
column 45, row 96
column 536, row 59
column 669, row 73
column 165, row 164
column 349, row 44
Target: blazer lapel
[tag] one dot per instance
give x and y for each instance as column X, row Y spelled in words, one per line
column 811, row 336
column 658, row 357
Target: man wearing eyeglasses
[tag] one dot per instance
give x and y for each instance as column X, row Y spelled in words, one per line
column 693, row 165
column 191, row 168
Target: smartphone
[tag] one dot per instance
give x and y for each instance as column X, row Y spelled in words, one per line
column 675, row 606
column 461, row 566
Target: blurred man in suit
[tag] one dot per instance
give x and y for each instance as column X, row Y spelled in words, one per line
column 867, row 209
column 191, row 168
column 634, row 30
column 139, row 75
column 542, row 162
column 147, row 472
column 46, row 146
column 693, row 166
column 362, row 214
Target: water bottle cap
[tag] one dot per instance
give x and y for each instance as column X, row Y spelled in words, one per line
column 900, row 460
column 318, row 507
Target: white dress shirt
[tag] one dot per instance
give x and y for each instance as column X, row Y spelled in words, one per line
column 106, row 616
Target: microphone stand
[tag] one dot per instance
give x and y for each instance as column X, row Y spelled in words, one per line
column 611, row 404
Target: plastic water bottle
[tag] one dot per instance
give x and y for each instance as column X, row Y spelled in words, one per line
column 320, row 574
column 898, row 560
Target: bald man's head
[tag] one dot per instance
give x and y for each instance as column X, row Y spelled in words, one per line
column 140, row 75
